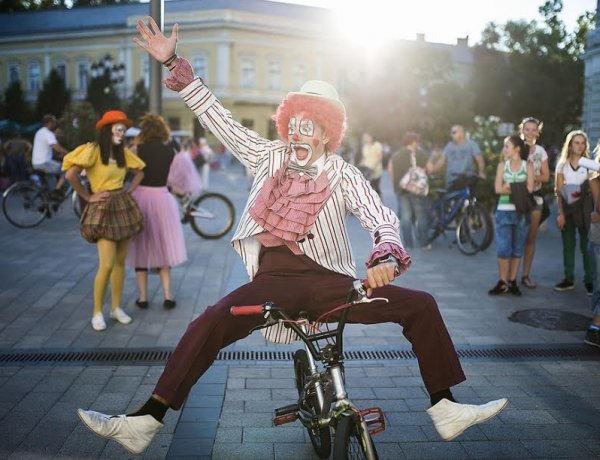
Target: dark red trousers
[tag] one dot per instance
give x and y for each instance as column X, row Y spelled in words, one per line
column 297, row 283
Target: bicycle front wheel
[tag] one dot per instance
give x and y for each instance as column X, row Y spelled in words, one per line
column 24, row 205
column 353, row 441
column 319, row 437
column 473, row 230
column 211, row 215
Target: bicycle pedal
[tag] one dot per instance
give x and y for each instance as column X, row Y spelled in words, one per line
column 283, row 419
column 285, row 410
column 374, row 419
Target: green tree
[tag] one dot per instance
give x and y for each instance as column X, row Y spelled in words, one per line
column 54, row 96
column 139, row 102
column 77, row 125
column 101, row 93
column 533, row 68
column 16, row 106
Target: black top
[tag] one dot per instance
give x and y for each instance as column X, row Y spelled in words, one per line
column 401, row 162
column 158, row 158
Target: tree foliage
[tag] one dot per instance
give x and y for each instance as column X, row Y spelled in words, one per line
column 16, row 107
column 54, row 96
column 139, row 101
column 77, row 125
column 533, row 68
column 11, row 6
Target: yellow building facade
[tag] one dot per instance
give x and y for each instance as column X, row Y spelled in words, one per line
column 249, row 52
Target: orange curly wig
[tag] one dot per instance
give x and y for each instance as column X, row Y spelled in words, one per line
column 330, row 118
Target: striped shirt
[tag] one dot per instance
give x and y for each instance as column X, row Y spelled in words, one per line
column 327, row 242
column 509, row 177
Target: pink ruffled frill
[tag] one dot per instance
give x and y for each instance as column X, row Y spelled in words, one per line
column 287, row 207
column 390, row 248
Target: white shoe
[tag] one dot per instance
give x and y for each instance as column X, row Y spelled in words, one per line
column 119, row 315
column 98, row 323
column 133, row 433
column 451, row 419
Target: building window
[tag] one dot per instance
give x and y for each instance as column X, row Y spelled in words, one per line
column 83, row 75
column 342, row 81
column 298, row 75
column 61, row 70
column 174, row 123
column 248, row 73
column 14, row 73
column 274, row 75
column 35, row 81
column 146, row 72
column 200, row 64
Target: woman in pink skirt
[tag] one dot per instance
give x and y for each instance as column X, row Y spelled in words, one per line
column 161, row 244
column 184, row 178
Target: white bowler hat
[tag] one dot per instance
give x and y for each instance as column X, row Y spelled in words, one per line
column 321, row 90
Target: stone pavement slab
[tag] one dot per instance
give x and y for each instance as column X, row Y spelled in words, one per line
column 46, row 277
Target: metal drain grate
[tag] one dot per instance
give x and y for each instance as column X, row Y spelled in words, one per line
column 161, row 355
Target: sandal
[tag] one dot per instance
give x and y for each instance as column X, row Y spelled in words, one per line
column 499, row 289
column 527, row 282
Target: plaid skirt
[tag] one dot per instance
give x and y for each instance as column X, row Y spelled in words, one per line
column 117, row 218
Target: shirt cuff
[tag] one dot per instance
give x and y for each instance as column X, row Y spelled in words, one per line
column 393, row 249
column 197, row 96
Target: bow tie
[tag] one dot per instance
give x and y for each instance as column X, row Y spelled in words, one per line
column 310, row 171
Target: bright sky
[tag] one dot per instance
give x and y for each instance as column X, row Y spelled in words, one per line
column 441, row 21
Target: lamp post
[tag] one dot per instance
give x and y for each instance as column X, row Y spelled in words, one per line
column 104, row 76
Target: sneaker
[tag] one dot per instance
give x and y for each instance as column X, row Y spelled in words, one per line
column 589, row 287
column 564, row 285
column 98, row 323
column 119, row 315
column 500, row 288
column 133, row 433
column 451, row 419
column 592, row 337
column 513, row 288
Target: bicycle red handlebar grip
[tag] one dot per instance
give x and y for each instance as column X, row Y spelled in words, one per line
column 246, row 310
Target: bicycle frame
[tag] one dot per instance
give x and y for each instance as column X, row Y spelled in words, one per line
column 460, row 197
column 328, row 385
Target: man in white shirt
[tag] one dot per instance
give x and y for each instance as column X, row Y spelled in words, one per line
column 44, row 144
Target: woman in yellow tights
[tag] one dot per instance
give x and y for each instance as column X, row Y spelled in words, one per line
column 111, row 216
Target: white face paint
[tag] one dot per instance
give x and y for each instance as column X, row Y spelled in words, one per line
column 306, row 140
column 118, row 133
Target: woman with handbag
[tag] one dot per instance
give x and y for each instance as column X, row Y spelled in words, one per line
column 407, row 168
column 575, row 206
column 530, row 130
column 111, row 216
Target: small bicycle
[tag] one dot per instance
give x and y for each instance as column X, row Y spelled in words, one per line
column 26, row 204
column 211, row 215
column 323, row 405
column 474, row 226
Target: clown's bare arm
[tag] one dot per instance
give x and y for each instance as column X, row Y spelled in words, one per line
column 245, row 144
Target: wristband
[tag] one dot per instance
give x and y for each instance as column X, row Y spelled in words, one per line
column 169, row 61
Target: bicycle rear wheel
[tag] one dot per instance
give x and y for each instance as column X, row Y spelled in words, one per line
column 211, row 215
column 319, row 437
column 25, row 205
column 352, row 442
column 473, row 230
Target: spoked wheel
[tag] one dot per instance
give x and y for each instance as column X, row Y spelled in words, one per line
column 211, row 215
column 474, row 230
column 352, row 442
column 319, row 437
column 24, row 205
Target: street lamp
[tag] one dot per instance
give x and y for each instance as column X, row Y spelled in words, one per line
column 105, row 75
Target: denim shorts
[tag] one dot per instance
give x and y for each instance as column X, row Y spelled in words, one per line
column 511, row 234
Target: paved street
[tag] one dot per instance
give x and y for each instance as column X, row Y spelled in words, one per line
column 46, row 276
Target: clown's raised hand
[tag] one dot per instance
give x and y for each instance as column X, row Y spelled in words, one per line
column 153, row 40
